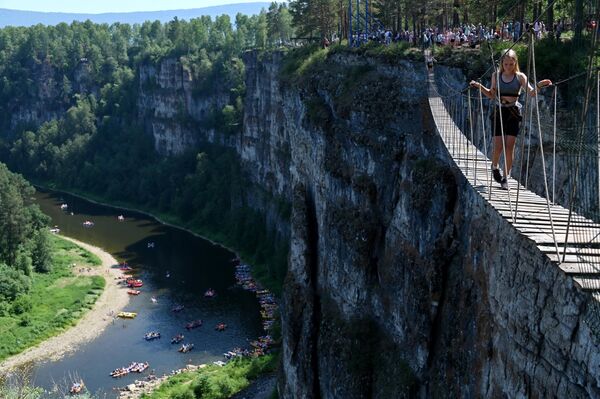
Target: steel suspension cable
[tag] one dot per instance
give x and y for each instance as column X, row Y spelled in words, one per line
column 574, row 77
column 489, row 177
column 554, row 149
column 580, row 140
column 537, row 109
column 475, row 160
column 463, row 126
column 523, row 123
column 529, row 139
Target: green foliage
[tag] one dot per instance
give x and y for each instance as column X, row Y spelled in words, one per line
column 20, row 392
column 40, row 253
column 389, row 54
column 42, row 306
column 19, row 219
column 23, row 262
column 298, row 62
column 12, row 283
column 21, row 305
column 314, row 18
column 213, row 382
column 279, row 24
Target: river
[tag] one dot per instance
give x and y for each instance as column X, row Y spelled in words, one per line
column 176, row 268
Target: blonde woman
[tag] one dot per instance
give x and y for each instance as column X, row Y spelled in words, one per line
column 508, row 113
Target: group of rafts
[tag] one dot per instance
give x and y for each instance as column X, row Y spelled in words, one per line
column 152, row 335
column 134, row 367
column 268, row 311
column 265, row 298
column 244, row 278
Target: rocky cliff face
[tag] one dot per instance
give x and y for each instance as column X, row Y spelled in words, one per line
column 44, row 101
column 402, row 282
column 172, row 112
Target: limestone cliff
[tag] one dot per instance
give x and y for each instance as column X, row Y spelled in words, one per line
column 44, row 99
column 402, row 282
column 173, row 112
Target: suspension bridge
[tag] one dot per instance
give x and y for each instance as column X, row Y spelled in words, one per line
column 570, row 240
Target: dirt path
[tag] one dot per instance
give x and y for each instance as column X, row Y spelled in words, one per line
column 114, row 298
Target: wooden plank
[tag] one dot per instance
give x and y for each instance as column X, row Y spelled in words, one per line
column 546, row 223
column 531, row 215
column 543, row 216
column 588, row 284
column 580, row 268
column 590, row 232
column 560, row 239
column 572, row 258
column 591, row 252
column 531, row 207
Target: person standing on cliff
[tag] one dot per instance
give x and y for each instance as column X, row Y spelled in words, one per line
column 508, row 111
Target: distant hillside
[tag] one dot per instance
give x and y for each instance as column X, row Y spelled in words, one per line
column 28, row 18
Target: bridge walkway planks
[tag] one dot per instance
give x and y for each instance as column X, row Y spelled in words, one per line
column 531, row 215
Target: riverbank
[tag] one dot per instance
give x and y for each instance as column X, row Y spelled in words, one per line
column 174, row 222
column 119, row 207
column 242, row 377
column 112, row 299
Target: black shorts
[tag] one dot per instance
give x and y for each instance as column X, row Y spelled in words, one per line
column 511, row 120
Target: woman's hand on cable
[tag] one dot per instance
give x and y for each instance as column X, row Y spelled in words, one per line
column 543, row 83
column 475, row 84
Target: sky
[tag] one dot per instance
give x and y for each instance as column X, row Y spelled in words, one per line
column 96, row 7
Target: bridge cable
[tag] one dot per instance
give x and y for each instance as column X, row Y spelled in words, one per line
column 525, row 119
column 578, row 75
column 537, row 109
column 485, row 151
column 554, row 149
column 584, row 110
column 476, row 160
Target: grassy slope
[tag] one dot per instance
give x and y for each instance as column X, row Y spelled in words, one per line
column 214, row 382
column 58, row 299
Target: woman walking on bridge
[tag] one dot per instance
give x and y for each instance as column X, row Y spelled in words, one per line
column 508, row 112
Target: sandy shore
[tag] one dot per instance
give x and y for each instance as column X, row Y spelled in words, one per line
column 113, row 298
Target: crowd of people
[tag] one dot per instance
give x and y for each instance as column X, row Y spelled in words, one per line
column 466, row 34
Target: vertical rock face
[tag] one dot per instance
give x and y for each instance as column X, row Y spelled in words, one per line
column 402, row 281
column 265, row 143
column 43, row 102
column 172, row 112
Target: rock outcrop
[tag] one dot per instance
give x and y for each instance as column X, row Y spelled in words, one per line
column 173, row 112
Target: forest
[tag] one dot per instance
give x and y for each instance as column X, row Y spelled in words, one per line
column 24, row 242
column 94, row 142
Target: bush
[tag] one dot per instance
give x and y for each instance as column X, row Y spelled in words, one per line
column 202, row 387
column 21, row 305
column 25, row 321
column 40, row 253
column 13, row 282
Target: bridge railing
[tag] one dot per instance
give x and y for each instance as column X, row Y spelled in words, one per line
column 556, row 164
